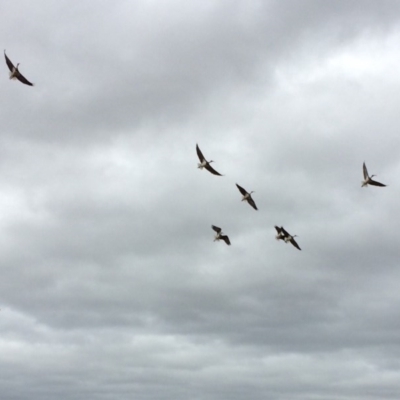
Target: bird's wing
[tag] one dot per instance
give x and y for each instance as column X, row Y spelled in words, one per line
column 22, row 79
column 365, row 171
column 209, row 168
column 216, row 229
column 252, row 203
column 226, row 239
column 241, row 190
column 199, row 153
column 375, row 183
column 285, row 232
column 10, row 65
column 294, row 243
column 279, row 230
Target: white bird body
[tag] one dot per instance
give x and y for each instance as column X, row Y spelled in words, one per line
column 203, row 164
column 14, row 72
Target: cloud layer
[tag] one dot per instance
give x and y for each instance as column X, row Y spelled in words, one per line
column 111, row 284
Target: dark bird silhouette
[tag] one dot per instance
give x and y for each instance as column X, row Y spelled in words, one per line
column 280, row 235
column 219, row 236
column 286, row 236
column 368, row 179
column 14, row 72
column 204, row 163
column 247, row 196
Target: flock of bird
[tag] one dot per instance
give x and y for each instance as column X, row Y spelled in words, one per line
column 282, row 234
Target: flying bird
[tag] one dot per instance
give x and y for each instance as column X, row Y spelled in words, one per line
column 280, row 235
column 204, row 163
column 219, row 236
column 289, row 238
column 247, row 197
column 14, row 72
column 368, row 179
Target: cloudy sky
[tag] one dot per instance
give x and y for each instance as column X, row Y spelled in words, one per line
column 111, row 285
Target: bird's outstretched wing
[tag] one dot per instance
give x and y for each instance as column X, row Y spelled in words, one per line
column 216, row 228
column 22, row 79
column 241, row 190
column 365, row 171
column 375, row 183
column 226, row 239
column 294, row 243
column 252, row 203
column 209, row 168
column 285, row 232
column 199, row 153
column 10, row 65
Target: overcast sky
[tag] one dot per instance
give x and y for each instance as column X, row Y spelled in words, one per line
column 111, row 285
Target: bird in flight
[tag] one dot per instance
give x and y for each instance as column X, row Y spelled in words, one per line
column 286, row 236
column 219, row 236
column 247, row 197
column 280, row 235
column 14, row 72
column 368, row 179
column 204, row 163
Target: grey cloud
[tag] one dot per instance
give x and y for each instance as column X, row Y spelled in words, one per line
column 111, row 285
